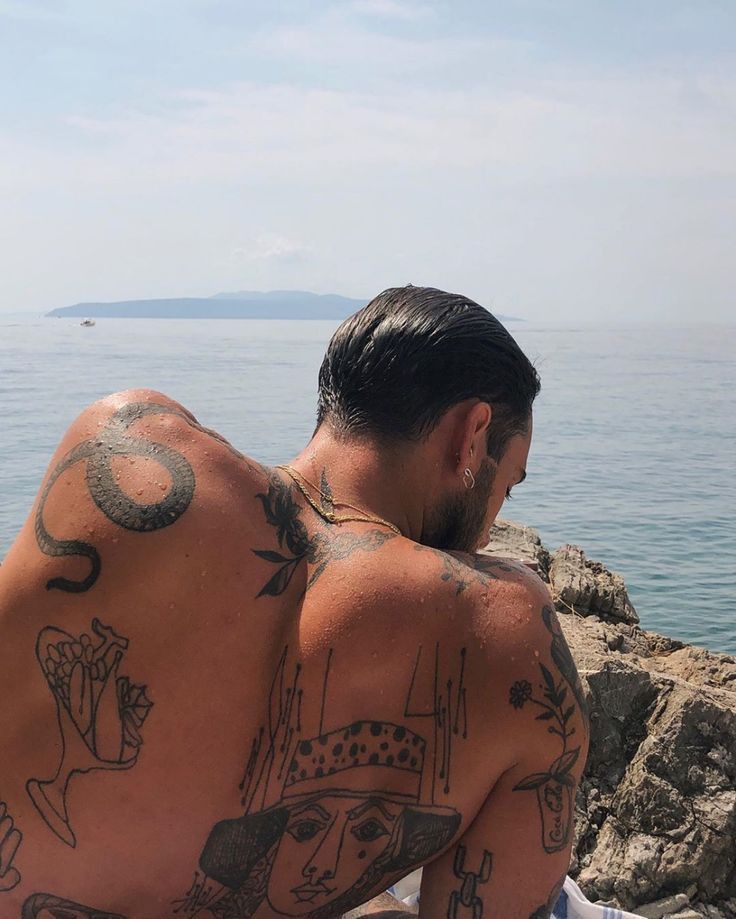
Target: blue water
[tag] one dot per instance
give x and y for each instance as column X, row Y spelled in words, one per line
column 633, row 455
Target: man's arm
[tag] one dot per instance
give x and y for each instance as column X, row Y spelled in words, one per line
column 513, row 858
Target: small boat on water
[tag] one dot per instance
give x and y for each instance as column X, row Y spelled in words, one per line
column 87, row 322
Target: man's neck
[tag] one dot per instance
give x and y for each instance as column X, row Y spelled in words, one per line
column 380, row 482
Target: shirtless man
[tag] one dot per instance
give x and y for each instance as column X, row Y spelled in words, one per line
column 232, row 691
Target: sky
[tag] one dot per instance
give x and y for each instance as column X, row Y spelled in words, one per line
column 553, row 159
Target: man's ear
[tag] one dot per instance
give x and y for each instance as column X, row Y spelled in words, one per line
column 473, row 435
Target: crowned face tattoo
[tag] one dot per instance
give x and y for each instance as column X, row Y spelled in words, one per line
column 325, row 849
column 335, row 832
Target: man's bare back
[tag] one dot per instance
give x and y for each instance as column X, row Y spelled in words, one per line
column 215, row 702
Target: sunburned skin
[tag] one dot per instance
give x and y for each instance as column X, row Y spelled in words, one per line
column 216, row 703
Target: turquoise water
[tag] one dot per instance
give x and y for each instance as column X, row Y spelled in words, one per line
column 633, row 453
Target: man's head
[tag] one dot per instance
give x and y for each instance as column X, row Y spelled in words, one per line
column 433, row 370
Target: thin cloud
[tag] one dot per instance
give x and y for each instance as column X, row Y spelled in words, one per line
column 635, row 127
column 389, row 9
column 337, row 43
column 271, row 247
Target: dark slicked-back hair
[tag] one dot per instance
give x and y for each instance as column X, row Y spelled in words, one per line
column 395, row 367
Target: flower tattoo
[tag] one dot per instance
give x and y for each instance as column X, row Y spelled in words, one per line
column 520, row 693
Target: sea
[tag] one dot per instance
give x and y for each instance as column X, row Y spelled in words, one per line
column 633, row 457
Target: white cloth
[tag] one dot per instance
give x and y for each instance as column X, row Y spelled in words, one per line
column 571, row 904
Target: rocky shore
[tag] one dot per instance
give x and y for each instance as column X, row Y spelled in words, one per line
column 656, row 811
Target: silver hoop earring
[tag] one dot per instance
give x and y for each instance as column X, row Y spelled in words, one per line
column 468, row 478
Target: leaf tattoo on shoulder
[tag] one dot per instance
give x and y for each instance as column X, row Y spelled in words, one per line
column 282, row 512
column 295, row 543
column 563, row 659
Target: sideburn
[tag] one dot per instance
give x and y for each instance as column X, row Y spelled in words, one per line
column 458, row 524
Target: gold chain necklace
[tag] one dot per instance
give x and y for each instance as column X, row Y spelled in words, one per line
column 301, row 483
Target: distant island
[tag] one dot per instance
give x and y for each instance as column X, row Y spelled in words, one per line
column 240, row 304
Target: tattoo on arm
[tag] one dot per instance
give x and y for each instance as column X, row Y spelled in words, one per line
column 48, row 904
column 113, row 441
column 10, row 840
column 467, row 893
column 296, row 545
column 331, row 813
column 554, row 788
column 99, row 714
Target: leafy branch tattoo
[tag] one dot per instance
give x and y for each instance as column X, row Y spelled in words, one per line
column 113, row 441
column 10, row 840
column 98, row 712
column 563, row 660
column 296, row 545
column 553, row 787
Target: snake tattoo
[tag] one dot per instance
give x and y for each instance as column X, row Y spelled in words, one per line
column 114, row 440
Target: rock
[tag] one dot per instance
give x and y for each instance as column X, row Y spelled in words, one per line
column 513, row 540
column 713, row 912
column 665, row 907
column 585, row 587
column 663, row 757
column 701, row 667
column 656, row 809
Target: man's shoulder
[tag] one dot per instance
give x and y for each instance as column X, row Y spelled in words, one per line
column 131, row 411
column 133, row 462
column 147, row 425
column 473, row 573
column 495, row 600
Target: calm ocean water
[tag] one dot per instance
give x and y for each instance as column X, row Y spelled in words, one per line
column 633, row 455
